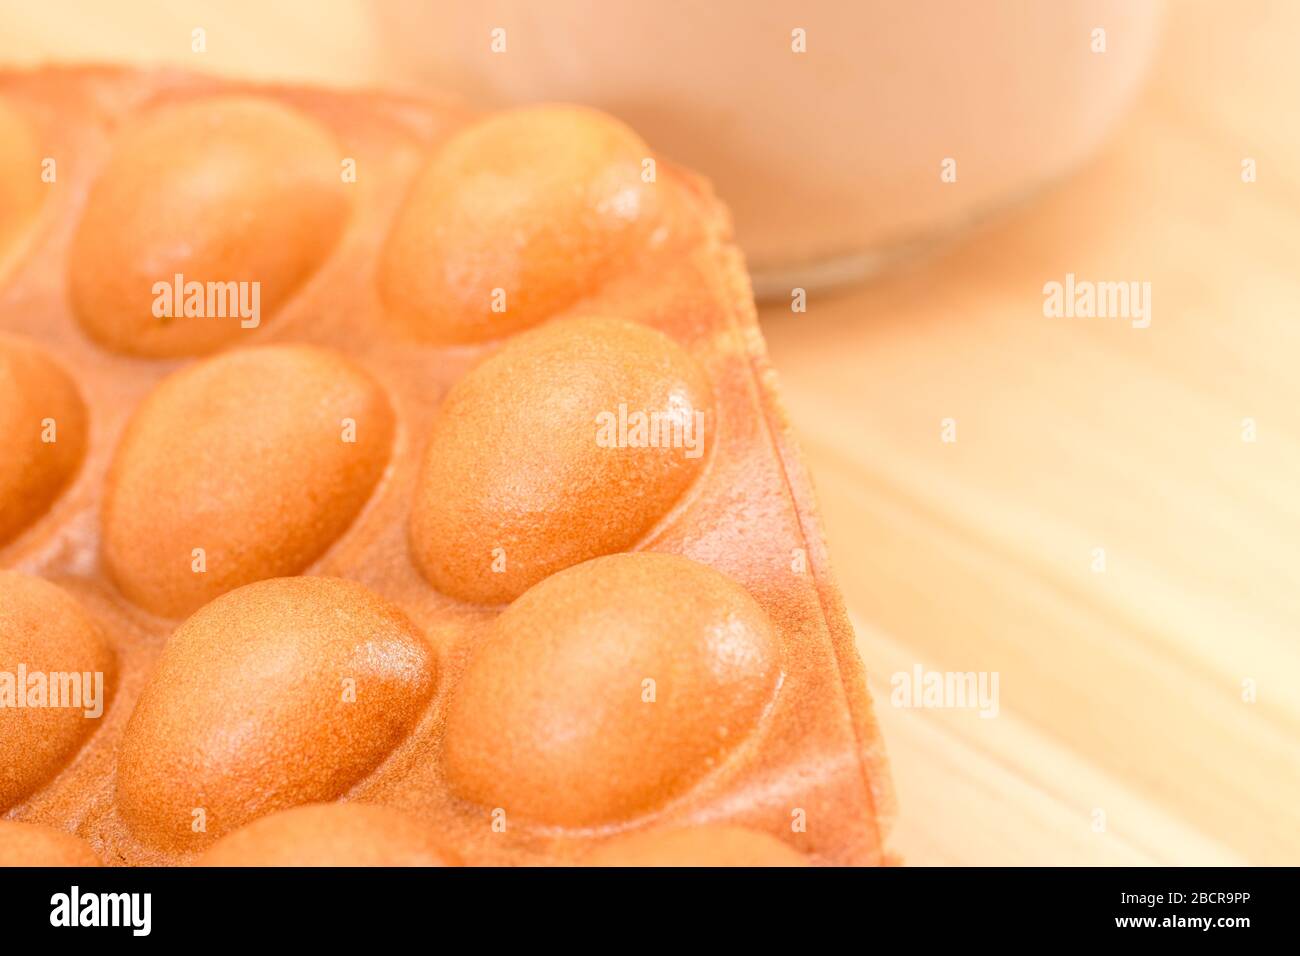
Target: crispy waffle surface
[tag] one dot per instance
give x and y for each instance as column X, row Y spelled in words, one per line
column 385, row 572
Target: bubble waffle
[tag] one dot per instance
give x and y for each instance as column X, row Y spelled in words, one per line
column 414, row 483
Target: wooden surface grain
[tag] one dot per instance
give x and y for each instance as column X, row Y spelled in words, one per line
column 1121, row 691
column 1122, row 734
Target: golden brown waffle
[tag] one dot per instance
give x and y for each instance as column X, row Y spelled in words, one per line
column 394, row 536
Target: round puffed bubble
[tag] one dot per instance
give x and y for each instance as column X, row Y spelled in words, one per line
column 246, row 466
column 34, row 844
column 515, row 218
column 43, row 426
column 329, row 834
column 527, row 471
column 278, row 694
column 219, row 191
column 56, row 657
column 609, row 689
column 696, row 846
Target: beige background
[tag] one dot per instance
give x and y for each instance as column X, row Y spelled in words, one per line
column 1121, row 691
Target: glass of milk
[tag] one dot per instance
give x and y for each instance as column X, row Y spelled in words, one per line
column 841, row 134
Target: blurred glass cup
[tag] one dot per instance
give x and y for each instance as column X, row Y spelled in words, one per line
column 840, row 133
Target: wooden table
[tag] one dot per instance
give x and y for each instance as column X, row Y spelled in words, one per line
column 1122, row 735
column 1121, row 691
